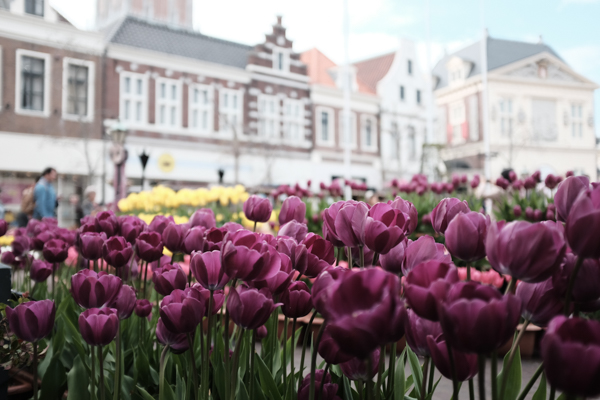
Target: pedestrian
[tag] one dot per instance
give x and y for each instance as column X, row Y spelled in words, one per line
column 89, row 202
column 27, row 205
column 45, row 195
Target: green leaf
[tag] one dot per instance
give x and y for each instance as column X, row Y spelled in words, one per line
column 145, row 395
column 399, row 379
column 266, row 379
column 180, row 385
column 78, row 381
column 416, row 370
column 562, row 397
column 347, row 389
column 513, row 383
column 540, row 393
column 142, row 367
column 53, row 381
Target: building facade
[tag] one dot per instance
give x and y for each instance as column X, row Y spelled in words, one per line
column 540, row 110
column 176, row 13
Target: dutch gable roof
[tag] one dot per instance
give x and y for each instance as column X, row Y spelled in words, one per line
column 372, row 70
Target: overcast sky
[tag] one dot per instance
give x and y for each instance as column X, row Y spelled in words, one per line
column 570, row 26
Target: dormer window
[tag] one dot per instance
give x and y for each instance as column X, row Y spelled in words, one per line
column 458, row 70
column 34, row 7
column 410, row 67
column 280, row 60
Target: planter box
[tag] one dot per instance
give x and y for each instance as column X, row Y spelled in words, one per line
column 527, row 343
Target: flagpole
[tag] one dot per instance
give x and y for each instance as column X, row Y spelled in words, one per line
column 346, row 111
column 485, row 106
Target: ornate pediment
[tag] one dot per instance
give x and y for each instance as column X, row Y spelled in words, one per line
column 544, row 70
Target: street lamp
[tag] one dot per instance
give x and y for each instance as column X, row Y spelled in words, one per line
column 144, row 160
column 118, row 154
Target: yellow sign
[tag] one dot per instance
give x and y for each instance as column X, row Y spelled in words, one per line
column 166, row 162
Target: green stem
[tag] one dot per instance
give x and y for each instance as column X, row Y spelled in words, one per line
column 206, row 366
column 369, row 362
column 236, row 358
column 101, row 363
column 161, row 376
column 226, row 356
column 304, row 343
column 471, row 389
column 146, row 276
column 35, row 371
column 313, row 362
column 293, row 382
column 380, row 373
column 510, row 286
column 193, row 365
column 117, row 390
column 361, row 253
column 285, row 334
column 254, row 230
column 431, row 373
column 323, row 380
column 252, row 351
column 391, row 369
column 571, row 284
column 349, row 257
column 375, row 259
column 339, row 255
column 511, row 356
column 453, row 368
column 468, row 272
column 531, row 382
column 552, row 392
column 481, row 376
column 54, row 267
column 93, row 386
column 494, row 372
column 424, row 383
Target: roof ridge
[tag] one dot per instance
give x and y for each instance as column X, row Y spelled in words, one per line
column 374, row 57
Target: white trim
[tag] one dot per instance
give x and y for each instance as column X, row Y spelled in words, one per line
column 209, row 108
column 269, row 125
column 226, row 111
column 330, row 142
column 90, row 93
column 1, row 81
column 143, row 98
column 293, row 121
column 363, row 137
column 273, row 71
column 353, row 130
column 47, row 75
column 170, row 105
column 285, row 61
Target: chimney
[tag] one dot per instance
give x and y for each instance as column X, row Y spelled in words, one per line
column 279, row 20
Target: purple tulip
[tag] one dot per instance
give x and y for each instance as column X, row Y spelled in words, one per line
column 427, row 285
column 517, row 211
column 257, row 209
column 586, row 287
column 90, row 245
column 278, row 283
column 40, row 270
column 168, row 278
column 259, row 262
column 37, row 242
column 417, row 330
column 143, row 308
column 466, row 234
column 525, row 251
column 409, row 209
column 296, row 300
column 319, row 255
column 297, row 253
column 361, row 323
column 149, row 246
column 55, row 251
column 445, row 211
column 177, row 342
column 8, row 258
column 159, row 223
column 392, row 261
column 261, row 332
column 207, row 270
column 181, row 313
column 476, row 318
column 204, row 217
column 203, row 296
column 124, row 303
column 33, row 320
column 582, row 223
column 329, row 216
column 107, row 222
column 330, row 351
column 293, row 208
column 194, row 240
column 131, row 227
column 571, row 354
column 172, row 237
column 99, row 326
column 567, row 193
column 324, row 287
column 356, row 368
column 350, row 223
column 250, row 308
column 117, row 252
column 328, row 392
column 3, row 227
column 384, row 228
column 20, row 245
column 94, row 290
column 529, row 183
column 475, row 182
column 529, row 214
column 294, row 229
column 464, row 363
column 541, row 301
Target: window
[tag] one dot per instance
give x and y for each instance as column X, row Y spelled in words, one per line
column 134, row 98
column 402, row 93
column 78, row 89
column 369, row 133
column 33, row 83
column 168, row 102
column 412, row 144
column 457, row 119
column 394, row 151
column 576, row 120
column 201, row 108
column 280, row 59
column 268, row 116
column 34, row 7
column 473, row 118
column 418, row 97
column 230, row 110
column 352, row 130
column 544, row 119
column 506, row 117
column 410, row 67
column 293, row 120
column 325, row 124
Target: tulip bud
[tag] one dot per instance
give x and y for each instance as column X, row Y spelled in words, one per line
column 149, row 246
column 33, row 320
column 99, row 326
column 181, row 313
column 294, row 230
column 37, row 242
column 517, row 211
column 356, row 368
column 117, row 251
column 207, row 270
column 319, row 255
column 582, row 224
column 94, row 290
column 159, row 223
column 427, row 285
column 194, row 240
column 124, row 303
column 384, row 228
column 3, row 227
column 503, row 183
column 541, row 301
column 465, row 236
column 107, row 222
column 204, row 217
column 445, row 211
column 177, row 342
column 250, row 308
column 55, row 251
column 168, row 278
column 327, row 392
column 20, row 245
column 8, row 258
column 329, row 217
column 143, row 308
column 350, row 223
column 293, row 208
column 257, row 209
column 417, row 330
column 172, row 237
column 586, row 286
column 296, row 300
column 465, row 364
column 409, row 209
column 40, row 270
column 131, row 227
column 261, row 332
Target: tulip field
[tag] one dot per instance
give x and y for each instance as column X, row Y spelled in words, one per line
column 213, row 294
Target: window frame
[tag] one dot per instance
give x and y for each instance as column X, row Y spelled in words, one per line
column 374, row 137
column 506, row 115
column 330, row 142
column 285, row 59
column 43, row 6
column 290, row 120
column 577, row 120
column 419, row 97
column 228, row 111
column 45, row 112
column 353, row 130
column 91, row 66
column 268, row 118
column 168, row 102
column 207, row 107
column 457, row 115
column 133, row 98
column 402, row 93
column 409, row 67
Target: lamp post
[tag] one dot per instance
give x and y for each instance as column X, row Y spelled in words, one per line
column 118, row 154
column 144, row 160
